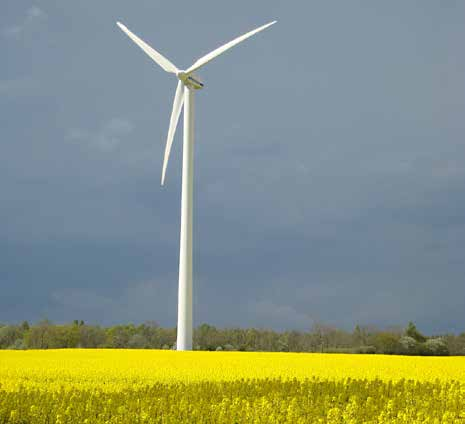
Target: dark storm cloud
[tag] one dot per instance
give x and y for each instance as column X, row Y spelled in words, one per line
column 329, row 163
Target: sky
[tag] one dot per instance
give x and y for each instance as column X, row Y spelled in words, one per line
column 329, row 152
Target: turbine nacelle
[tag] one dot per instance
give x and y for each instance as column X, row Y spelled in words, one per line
column 189, row 80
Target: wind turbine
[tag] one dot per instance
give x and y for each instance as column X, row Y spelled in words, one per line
column 187, row 84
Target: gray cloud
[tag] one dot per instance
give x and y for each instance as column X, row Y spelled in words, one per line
column 329, row 150
column 267, row 314
column 132, row 303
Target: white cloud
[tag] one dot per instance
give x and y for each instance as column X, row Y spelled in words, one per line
column 107, row 138
column 33, row 15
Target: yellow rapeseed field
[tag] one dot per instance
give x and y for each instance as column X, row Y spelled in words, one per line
column 153, row 386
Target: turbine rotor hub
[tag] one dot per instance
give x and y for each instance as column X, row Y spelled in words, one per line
column 181, row 75
column 190, row 80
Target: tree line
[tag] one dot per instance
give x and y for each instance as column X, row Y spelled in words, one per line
column 149, row 335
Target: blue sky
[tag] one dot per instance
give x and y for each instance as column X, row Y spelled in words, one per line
column 329, row 179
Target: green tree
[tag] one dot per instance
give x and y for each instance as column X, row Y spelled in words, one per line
column 8, row 335
column 359, row 337
column 137, row 341
column 39, row 336
column 412, row 331
column 386, row 342
column 206, row 336
column 91, row 336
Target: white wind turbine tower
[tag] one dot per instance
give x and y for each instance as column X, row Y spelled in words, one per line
column 187, row 83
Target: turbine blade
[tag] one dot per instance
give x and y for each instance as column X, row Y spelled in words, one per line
column 177, row 106
column 207, row 58
column 157, row 57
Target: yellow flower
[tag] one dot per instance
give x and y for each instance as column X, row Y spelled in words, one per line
column 120, row 386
